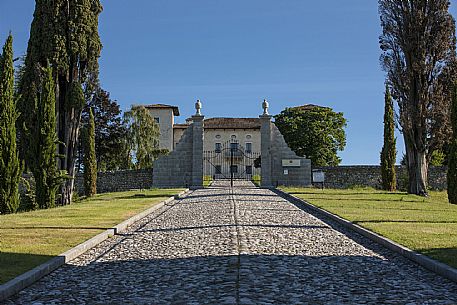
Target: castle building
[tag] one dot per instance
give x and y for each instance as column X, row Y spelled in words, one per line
column 224, row 138
column 217, row 132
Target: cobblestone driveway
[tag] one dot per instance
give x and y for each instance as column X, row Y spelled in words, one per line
column 240, row 246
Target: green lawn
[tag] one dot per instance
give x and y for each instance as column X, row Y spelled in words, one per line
column 207, row 180
column 31, row 238
column 426, row 225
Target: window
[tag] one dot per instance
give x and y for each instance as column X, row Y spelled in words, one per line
column 234, row 169
column 218, row 147
column 248, row 148
column 234, row 146
column 157, row 120
column 248, row 169
column 218, row 169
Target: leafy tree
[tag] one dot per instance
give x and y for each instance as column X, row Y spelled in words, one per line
column 90, row 162
column 110, row 132
column 452, row 157
column 44, row 145
column 64, row 33
column 315, row 132
column 142, row 137
column 438, row 158
column 389, row 151
column 418, row 53
column 10, row 166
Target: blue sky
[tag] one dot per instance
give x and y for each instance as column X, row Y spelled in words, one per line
column 233, row 54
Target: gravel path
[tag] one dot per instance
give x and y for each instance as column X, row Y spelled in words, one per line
column 240, row 246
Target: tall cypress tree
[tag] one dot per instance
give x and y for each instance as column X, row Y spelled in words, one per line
column 90, row 161
column 389, row 151
column 10, row 167
column 65, row 33
column 452, row 162
column 44, row 144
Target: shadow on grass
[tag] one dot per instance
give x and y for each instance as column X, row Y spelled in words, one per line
column 52, row 228
column 223, row 279
column 401, row 221
column 364, row 199
column 446, row 255
column 142, row 196
column 349, row 194
column 14, row 264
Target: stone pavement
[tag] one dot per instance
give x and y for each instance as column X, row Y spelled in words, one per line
column 240, row 246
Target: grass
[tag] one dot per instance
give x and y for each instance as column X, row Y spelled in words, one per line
column 207, row 180
column 426, row 225
column 31, row 238
column 256, row 179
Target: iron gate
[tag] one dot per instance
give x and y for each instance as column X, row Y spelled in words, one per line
column 231, row 161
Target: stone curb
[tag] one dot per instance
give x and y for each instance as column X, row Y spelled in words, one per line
column 425, row 261
column 26, row 279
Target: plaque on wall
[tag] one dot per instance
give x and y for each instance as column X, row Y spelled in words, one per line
column 291, row 162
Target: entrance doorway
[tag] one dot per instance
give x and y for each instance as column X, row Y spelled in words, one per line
column 231, row 161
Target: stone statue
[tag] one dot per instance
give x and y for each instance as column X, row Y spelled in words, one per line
column 265, row 106
column 198, row 107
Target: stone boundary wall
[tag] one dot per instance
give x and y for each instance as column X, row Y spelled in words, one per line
column 118, row 181
column 370, row 176
column 297, row 176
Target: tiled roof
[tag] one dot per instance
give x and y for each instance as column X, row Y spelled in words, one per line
column 164, row 106
column 233, row 123
column 181, row 126
column 227, row 123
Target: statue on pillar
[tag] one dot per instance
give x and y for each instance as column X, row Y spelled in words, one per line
column 198, row 107
column 265, row 106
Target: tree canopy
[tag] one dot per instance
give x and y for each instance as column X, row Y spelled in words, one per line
column 389, row 150
column 10, row 166
column 315, row 132
column 64, row 34
column 110, row 132
column 142, row 137
column 418, row 54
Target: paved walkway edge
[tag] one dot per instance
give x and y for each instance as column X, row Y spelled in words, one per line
column 423, row 260
column 26, row 279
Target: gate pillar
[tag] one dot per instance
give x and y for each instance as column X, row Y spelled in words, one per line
column 197, row 147
column 265, row 144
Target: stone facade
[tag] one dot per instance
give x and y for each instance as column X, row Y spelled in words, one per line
column 274, row 151
column 184, row 165
column 181, row 167
column 118, row 181
column 370, row 176
column 165, row 117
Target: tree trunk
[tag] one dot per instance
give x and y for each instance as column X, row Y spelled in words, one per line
column 72, row 122
column 417, row 168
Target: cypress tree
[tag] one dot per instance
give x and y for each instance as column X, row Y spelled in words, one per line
column 44, row 144
column 64, row 33
column 389, row 152
column 452, row 157
column 90, row 161
column 10, row 167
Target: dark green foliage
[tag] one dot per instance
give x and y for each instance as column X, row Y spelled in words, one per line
column 10, row 167
column 389, row 151
column 65, row 34
column 142, row 137
column 90, row 162
column 418, row 46
column 44, row 144
column 315, row 132
column 452, row 157
column 110, row 132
